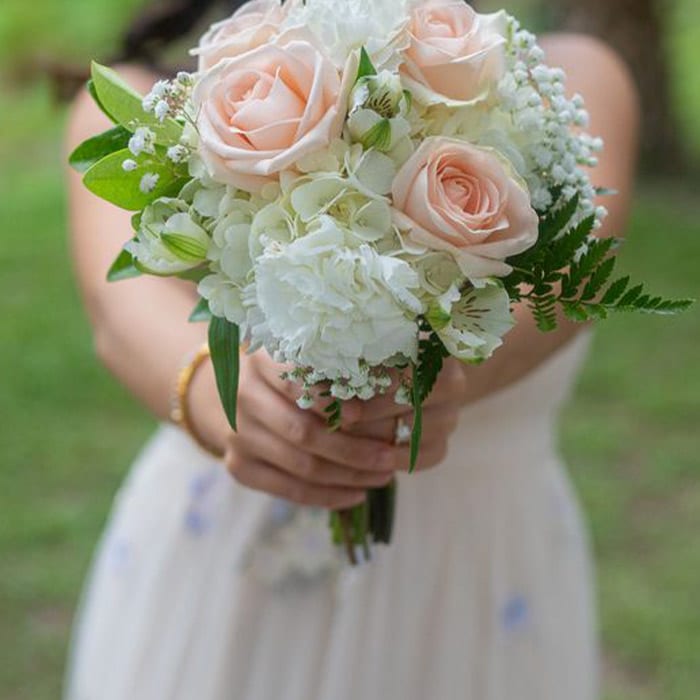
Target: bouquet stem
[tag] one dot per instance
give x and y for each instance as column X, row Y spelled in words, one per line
column 353, row 527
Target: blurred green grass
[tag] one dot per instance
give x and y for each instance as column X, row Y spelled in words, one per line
column 69, row 431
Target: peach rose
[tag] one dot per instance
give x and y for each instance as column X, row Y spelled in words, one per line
column 455, row 53
column 460, row 198
column 253, row 25
column 260, row 112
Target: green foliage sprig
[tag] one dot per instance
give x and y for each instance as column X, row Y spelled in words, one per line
column 570, row 269
column 431, row 357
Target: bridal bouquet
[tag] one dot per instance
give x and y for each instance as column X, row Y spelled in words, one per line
column 363, row 188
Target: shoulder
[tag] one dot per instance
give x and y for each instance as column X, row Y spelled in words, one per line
column 588, row 54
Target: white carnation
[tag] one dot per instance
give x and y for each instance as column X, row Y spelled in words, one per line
column 343, row 26
column 334, row 308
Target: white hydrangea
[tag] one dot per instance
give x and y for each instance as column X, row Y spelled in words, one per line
column 225, row 299
column 334, row 308
column 367, row 219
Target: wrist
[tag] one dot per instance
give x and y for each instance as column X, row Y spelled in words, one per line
column 208, row 415
column 197, row 408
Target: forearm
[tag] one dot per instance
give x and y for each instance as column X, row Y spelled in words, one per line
column 142, row 336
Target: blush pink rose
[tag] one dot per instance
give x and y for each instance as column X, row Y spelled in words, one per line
column 254, row 24
column 259, row 112
column 454, row 52
column 466, row 200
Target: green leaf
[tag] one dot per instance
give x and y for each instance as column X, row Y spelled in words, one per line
column 672, row 307
column 408, row 96
column 185, row 247
column 417, row 431
column 544, row 312
column 95, row 149
column 201, row 312
column 631, row 296
column 123, row 268
column 195, row 274
column 124, row 106
column 93, row 93
column 598, row 279
column 224, row 344
column 437, row 317
column 552, row 224
column 615, row 290
column 107, row 179
column 575, row 312
column 333, row 411
column 136, row 221
column 431, row 356
column 366, row 66
column 561, row 252
column 556, row 221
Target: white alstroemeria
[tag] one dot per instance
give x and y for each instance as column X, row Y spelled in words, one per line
column 332, row 308
column 368, row 219
column 169, row 240
column 472, row 323
column 225, row 298
column 379, row 108
column 344, row 26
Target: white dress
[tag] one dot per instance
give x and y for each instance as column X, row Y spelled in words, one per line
column 205, row 590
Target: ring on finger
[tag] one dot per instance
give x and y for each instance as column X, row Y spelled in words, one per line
column 402, row 432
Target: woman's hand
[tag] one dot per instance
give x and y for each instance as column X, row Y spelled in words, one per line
column 286, row 451
column 377, row 418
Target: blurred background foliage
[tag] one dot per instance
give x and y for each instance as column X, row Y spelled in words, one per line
column 69, row 431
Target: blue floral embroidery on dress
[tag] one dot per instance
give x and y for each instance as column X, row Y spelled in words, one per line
column 515, row 613
column 198, row 520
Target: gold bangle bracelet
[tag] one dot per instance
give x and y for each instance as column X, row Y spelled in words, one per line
column 180, row 413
